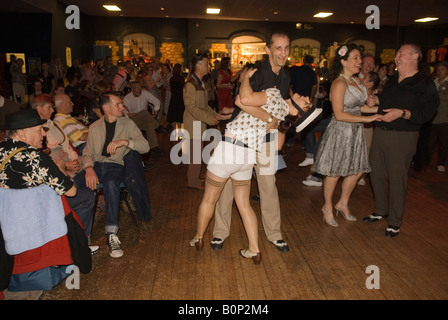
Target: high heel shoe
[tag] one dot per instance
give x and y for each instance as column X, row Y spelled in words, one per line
column 256, row 257
column 198, row 243
column 347, row 216
column 331, row 222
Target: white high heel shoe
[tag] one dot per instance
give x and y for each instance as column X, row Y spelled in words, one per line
column 198, row 243
column 256, row 257
column 332, row 222
column 347, row 216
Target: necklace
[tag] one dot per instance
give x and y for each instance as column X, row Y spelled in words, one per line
column 349, row 79
column 351, row 82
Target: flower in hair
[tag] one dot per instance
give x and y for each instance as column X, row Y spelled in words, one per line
column 343, row 51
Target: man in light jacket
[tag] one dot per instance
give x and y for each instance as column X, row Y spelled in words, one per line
column 110, row 140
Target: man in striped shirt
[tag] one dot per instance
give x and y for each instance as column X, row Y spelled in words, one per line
column 75, row 130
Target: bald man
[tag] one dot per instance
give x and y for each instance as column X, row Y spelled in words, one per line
column 409, row 99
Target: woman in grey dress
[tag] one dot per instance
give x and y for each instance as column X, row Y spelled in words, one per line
column 342, row 151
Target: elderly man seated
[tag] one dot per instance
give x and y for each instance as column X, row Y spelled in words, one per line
column 67, row 159
column 33, row 228
column 74, row 130
column 114, row 140
column 136, row 105
column 25, row 132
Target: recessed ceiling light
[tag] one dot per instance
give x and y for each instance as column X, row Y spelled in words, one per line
column 428, row 19
column 111, row 7
column 322, row 14
column 213, row 11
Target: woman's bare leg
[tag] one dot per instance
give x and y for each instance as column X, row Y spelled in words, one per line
column 329, row 187
column 348, row 185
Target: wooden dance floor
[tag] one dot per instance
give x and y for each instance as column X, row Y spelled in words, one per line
column 324, row 263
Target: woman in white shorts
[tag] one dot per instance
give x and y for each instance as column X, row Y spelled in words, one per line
column 234, row 158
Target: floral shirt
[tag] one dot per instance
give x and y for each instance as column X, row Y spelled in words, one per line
column 30, row 168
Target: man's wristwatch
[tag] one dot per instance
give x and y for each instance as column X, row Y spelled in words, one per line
column 403, row 115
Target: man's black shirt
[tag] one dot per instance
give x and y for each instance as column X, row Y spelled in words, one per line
column 265, row 78
column 418, row 94
column 110, row 132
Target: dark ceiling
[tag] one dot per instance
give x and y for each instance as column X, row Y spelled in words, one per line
column 345, row 11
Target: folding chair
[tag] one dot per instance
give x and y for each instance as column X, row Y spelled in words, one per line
column 124, row 196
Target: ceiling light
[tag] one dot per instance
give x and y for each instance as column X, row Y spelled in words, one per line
column 213, row 11
column 322, row 14
column 111, row 7
column 426, row 19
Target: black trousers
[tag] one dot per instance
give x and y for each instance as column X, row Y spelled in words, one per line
column 391, row 155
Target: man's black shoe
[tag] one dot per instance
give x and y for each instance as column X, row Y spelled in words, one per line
column 281, row 245
column 392, row 231
column 216, row 243
column 373, row 218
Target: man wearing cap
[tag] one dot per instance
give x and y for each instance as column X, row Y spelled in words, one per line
column 24, row 165
column 38, row 236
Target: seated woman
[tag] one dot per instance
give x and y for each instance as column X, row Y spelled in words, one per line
column 235, row 156
column 59, row 148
